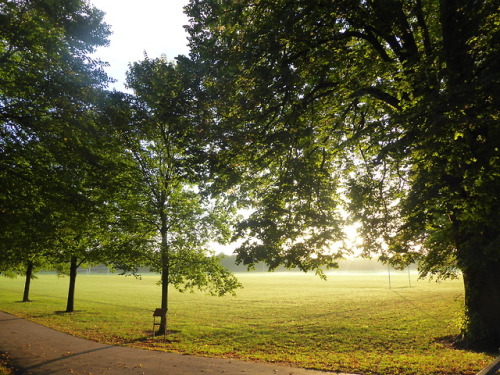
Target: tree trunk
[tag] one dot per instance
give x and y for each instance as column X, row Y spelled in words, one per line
column 476, row 241
column 482, row 307
column 72, row 282
column 164, row 274
column 164, row 299
column 27, row 283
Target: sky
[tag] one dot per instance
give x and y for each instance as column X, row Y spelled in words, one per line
column 151, row 26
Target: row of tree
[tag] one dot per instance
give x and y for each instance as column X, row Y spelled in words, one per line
column 298, row 111
column 93, row 176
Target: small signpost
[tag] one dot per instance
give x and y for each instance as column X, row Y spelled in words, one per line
column 159, row 313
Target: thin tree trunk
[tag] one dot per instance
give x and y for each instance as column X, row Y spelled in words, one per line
column 72, row 282
column 27, row 283
column 164, row 300
column 164, row 274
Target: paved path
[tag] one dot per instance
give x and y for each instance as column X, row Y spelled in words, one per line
column 34, row 349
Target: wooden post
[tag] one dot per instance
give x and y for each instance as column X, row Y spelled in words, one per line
column 492, row 368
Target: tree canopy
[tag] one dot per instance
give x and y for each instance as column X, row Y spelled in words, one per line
column 392, row 104
column 47, row 86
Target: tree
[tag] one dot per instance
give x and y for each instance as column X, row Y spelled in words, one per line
column 162, row 133
column 401, row 96
column 57, row 164
column 25, row 218
column 95, row 220
column 94, row 233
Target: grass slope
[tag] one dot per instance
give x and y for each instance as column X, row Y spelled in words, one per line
column 349, row 323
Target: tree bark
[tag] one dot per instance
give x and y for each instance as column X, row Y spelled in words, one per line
column 72, row 282
column 27, row 283
column 164, row 274
column 482, row 307
column 476, row 240
column 164, row 299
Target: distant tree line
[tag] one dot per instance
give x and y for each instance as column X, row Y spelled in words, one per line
column 348, row 265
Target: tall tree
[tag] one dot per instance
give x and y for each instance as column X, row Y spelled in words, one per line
column 164, row 135
column 402, row 96
column 47, row 85
column 25, row 220
column 92, row 220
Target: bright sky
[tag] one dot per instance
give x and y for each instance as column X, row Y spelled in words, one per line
column 151, row 26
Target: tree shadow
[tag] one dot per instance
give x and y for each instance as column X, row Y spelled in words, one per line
column 457, row 343
column 448, row 341
column 158, row 338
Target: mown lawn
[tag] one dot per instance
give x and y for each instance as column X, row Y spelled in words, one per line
column 349, row 323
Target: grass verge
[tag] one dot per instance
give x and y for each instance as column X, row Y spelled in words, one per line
column 349, row 323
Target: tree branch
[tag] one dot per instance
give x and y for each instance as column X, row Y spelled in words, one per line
column 378, row 94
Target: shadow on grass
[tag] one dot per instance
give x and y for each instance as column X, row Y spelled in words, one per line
column 149, row 340
column 158, row 338
column 448, row 341
column 457, row 343
column 54, row 313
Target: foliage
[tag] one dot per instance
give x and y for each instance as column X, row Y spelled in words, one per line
column 44, row 60
column 47, row 84
column 401, row 98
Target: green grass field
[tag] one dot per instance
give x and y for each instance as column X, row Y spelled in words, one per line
column 350, row 323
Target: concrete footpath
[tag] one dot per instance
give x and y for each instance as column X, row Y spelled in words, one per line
column 34, row 349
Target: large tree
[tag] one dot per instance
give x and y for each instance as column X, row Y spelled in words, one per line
column 401, row 96
column 162, row 130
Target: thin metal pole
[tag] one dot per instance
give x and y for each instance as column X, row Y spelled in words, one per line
column 389, row 273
